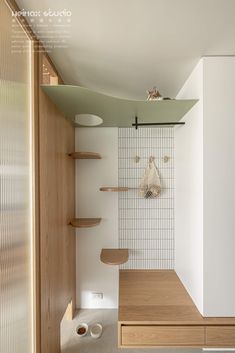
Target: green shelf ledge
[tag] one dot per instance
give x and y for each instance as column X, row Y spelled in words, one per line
column 115, row 112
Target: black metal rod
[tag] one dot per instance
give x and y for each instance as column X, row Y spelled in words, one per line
column 136, row 124
column 173, row 123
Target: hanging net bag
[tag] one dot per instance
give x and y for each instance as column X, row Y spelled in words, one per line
column 150, row 186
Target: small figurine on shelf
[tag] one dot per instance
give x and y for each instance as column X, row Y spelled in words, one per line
column 153, row 94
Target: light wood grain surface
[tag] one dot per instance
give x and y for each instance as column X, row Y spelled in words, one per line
column 155, row 310
column 164, row 335
column 57, row 238
column 85, row 155
column 113, row 188
column 114, row 256
column 159, row 297
column 85, row 222
column 220, row 336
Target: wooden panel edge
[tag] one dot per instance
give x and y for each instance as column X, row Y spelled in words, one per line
column 119, row 335
column 70, row 310
column 36, row 201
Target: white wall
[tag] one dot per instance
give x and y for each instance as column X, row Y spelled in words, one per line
column 205, row 174
column 92, row 274
column 189, row 191
column 219, row 187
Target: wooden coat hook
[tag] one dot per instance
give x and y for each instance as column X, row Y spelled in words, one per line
column 166, row 159
column 137, row 159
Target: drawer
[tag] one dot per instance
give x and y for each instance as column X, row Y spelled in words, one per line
column 220, row 336
column 162, row 336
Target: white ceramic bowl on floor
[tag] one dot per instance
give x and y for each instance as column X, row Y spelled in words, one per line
column 82, row 330
column 96, row 330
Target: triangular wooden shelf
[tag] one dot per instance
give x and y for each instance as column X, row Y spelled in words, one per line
column 85, row 222
column 85, row 155
column 114, row 256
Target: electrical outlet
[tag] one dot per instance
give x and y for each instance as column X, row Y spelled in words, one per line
column 97, row 295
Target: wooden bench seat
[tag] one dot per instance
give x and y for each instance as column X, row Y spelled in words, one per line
column 155, row 310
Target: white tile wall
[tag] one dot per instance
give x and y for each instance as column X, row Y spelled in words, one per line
column 146, row 226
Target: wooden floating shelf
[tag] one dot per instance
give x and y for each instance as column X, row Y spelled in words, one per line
column 85, row 155
column 114, row 256
column 114, row 189
column 119, row 112
column 85, row 222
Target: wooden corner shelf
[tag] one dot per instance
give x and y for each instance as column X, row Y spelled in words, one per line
column 85, row 222
column 85, row 155
column 113, row 189
column 114, row 256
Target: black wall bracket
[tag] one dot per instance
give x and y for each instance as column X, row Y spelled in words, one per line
column 137, row 124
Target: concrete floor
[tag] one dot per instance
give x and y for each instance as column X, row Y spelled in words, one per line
column 71, row 343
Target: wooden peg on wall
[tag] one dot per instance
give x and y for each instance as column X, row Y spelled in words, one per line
column 166, row 159
column 136, row 159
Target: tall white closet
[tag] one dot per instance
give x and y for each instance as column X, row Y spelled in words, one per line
column 205, row 190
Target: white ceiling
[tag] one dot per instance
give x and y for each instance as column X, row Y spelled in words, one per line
column 124, row 47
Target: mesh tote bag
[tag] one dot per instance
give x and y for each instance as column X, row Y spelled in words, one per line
column 150, row 186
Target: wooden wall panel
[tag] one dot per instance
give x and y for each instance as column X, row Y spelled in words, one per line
column 57, row 238
column 54, row 183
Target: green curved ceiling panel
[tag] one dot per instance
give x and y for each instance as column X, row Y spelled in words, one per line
column 72, row 100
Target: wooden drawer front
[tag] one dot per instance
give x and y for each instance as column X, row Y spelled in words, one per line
column 162, row 336
column 220, row 336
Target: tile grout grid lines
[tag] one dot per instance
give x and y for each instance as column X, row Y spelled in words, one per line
column 146, row 226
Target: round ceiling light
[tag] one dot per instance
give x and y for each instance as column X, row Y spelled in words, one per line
column 88, row 120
